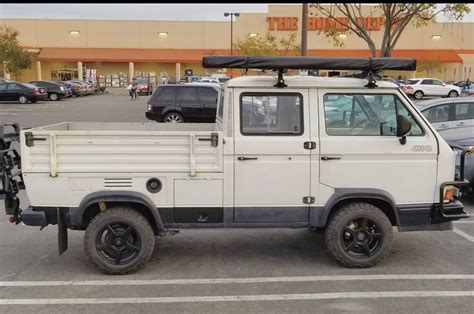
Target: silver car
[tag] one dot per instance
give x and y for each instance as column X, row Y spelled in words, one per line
column 449, row 113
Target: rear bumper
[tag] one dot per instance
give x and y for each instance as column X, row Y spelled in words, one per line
column 154, row 116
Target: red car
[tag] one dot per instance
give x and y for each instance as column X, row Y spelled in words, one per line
column 144, row 87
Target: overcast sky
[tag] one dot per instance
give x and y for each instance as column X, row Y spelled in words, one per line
column 187, row 12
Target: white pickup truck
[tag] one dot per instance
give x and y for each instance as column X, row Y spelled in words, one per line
column 351, row 156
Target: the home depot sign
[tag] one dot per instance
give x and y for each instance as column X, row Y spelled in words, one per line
column 322, row 23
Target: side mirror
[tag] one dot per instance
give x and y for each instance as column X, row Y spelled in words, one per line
column 403, row 128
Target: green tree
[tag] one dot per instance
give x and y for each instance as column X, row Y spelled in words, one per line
column 346, row 18
column 268, row 45
column 15, row 58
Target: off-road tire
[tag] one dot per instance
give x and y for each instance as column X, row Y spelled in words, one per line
column 120, row 215
column 418, row 95
column 348, row 213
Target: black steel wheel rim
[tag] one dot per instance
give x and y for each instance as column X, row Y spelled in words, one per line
column 118, row 243
column 362, row 238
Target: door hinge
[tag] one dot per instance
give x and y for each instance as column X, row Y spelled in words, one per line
column 309, row 145
column 308, row 199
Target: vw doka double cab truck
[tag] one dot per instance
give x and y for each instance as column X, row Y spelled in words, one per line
column 350, row 156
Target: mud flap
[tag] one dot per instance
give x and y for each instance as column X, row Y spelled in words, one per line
column 62, row 232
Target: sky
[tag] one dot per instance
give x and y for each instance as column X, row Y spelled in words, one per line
column 141, row 11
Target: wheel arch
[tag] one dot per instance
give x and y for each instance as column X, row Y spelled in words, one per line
column 89, row 207
column 379, row 198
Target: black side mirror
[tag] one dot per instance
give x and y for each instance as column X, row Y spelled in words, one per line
column 403, row 128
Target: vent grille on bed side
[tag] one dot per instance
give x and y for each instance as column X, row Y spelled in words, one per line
column 117, row 182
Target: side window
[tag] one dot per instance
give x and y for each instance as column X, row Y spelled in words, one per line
column 166, row 94
column 271, row 114
column 207, row 95
column 3, row 86
column 365, row 115
column 220, row 107
column 464, row 111
column 13, row 86
column 437, row 113
column 427, row 82
column 188, row 94
column 436, row 82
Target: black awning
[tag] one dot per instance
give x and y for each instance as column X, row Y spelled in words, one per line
column 309, row 63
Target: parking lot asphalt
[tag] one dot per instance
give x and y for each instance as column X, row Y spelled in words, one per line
column 215, row 271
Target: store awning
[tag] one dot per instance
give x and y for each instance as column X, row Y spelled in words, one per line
column 195, row 55
column 126, row 55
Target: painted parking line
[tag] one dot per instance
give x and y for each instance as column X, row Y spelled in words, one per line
column 140, row 282
column 245, row 298
column 463, row 234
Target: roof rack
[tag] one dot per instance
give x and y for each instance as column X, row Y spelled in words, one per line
column 369, row 66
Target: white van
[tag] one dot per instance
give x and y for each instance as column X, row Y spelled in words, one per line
column 350, row 156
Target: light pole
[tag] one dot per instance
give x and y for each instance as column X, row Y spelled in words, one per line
column 232, row 14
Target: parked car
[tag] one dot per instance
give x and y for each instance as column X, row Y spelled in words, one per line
column 421, row 87
column 467, row 92
column 55, row 90
column 4, row 80
column 68, row 87
column 209, row 80
column 144, row 87
column 448, row 113
column 93, row 85
column 389, row 79
column 184, row 103
column 88, row 87
column 77, row 89
column 463, row 137
column 21, row 92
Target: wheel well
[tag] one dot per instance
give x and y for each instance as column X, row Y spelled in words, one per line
column 173, row 111
column 384, row 206
column 93, row 210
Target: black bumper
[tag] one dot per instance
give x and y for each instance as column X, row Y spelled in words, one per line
column 154, row 116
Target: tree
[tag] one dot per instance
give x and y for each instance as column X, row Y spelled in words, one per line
column 268, row 45
column 15, row 58
column 347, row 18
column 430, row 67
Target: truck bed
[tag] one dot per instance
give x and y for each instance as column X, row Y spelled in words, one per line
column 77, row 147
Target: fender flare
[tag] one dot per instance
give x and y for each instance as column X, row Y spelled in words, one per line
column 118, row 197
column 342, row 194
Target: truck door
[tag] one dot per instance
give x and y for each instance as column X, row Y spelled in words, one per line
column 272, row 165
column 360, row 149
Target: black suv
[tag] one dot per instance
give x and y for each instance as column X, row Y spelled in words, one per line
column 55, row 90
column 184, row 103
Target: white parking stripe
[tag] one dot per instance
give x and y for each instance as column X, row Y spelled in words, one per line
column 140, row 282
column 464, row 235
column 234, row 298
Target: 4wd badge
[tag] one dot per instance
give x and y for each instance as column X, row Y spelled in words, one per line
column 421, row 148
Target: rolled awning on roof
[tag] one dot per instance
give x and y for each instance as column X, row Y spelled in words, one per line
column 195, row 55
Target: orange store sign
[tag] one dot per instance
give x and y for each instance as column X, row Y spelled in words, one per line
column 286, row 23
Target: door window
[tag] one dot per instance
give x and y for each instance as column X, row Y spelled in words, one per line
column 188, row 95
column 3, row 86
column 365, row 115
column 437, row 83
column 427, row 82
column 207, row 95
column 12, row 86
column 271, row 114
column 437, row 113
column 464, row 111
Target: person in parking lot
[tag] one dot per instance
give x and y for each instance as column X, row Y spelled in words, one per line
column 467, row 85
column 133, row 90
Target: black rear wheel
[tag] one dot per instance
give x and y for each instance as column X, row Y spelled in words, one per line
column 359, row 235
column 119, row 241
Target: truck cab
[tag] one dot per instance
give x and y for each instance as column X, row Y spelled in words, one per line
column 336, row 154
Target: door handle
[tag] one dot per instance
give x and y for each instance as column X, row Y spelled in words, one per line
column 246, row 158
column 325, row 158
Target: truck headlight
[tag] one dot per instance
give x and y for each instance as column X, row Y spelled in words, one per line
column 450, row 193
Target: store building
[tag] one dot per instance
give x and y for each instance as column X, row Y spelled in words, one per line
column 118, row 49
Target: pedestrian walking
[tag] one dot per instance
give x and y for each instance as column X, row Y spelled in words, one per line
column 133, row 89
column 467, row 85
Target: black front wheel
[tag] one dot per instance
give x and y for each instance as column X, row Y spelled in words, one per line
column 119, row 241
column 359, row 235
